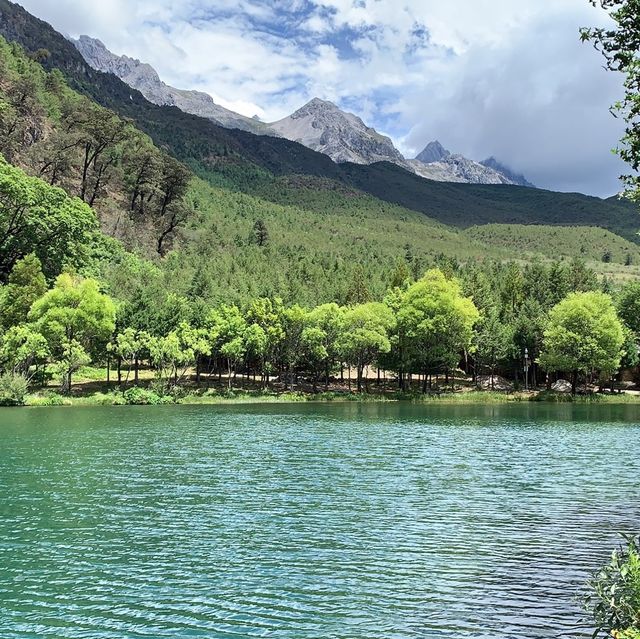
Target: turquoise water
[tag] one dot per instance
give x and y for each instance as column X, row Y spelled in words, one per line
column 336, row 521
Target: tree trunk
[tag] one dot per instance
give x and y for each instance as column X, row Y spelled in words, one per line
column 136, row 371
column 574, row 382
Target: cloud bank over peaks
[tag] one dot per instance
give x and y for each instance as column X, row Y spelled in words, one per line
column 486, row 77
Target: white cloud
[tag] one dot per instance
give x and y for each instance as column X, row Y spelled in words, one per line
column 485, row 76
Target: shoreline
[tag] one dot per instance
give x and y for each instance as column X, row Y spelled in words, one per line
column 239, row 397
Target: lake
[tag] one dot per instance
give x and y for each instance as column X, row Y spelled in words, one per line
column 336, row 521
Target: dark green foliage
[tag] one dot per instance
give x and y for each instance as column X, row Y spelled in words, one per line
column 260, row 233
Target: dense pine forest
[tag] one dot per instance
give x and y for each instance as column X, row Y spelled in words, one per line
column 137, row 239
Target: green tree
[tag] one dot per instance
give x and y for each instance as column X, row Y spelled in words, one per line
column 171, row 358
column 583, row 335
column 128, row 346
column 22, row 347
column 292, row 344
column 25, row 285
column 323, row 335
column 358, row 291
column 267, row 315
column 260, row 233
column 619, row 46
column 41, row 219
column 628, row 305
column 436, row 322
column 494, row 342
column 227, row 327
column 77, row 321
column 366, row 335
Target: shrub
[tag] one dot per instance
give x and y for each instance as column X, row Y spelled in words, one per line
column 614, row 600
column 145, row 397
column 51, row 399
column 13, row 389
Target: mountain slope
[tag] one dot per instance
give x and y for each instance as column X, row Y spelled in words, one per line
column 249, row 163
column 145, row 79
column 344, row 137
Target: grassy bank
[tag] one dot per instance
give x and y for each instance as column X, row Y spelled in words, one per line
column 226, row 397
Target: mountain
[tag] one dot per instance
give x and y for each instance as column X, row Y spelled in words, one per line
column 515, row 178
column 437, row 163
column 319, row 125
column 457, row 168
column 145, row 79
column 344, row 137
column 433, row 152
column 274, row 168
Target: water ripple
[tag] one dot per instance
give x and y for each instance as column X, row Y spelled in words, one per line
column 310, row 522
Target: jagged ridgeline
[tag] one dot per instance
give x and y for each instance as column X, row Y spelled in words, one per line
column 227, row 245
column 249, row 163
column 264, row 216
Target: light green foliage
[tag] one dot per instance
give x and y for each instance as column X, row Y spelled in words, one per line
column 435, row 322
column 321, row 338
column 554, row 242
column 365, row 335
column 41, row 219
column 628, row 305
column 227, row 327
column 77, row 320
column 21, row 348
column 13, row 389
column 584, row 335
column 614, row 597
column 25, row 285
column 170, row 357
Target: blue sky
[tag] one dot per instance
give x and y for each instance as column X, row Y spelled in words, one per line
column 508, row 78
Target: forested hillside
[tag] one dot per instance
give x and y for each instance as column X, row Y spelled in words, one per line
column 247, row 162
column 141, row 236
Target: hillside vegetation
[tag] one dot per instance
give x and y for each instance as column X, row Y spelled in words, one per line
column 246, row 162
column 591, row 243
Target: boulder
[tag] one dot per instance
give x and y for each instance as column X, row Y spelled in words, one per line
column 499, row 383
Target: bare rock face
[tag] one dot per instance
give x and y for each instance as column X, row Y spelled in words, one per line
column 319, row 125
column 436, row 163
column 145, row 79
column 433, row 152
column 344, row 137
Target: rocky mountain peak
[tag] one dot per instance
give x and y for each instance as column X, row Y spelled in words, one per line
column 324, row 127
column 433, row 152
column 145, row 79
